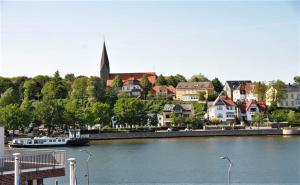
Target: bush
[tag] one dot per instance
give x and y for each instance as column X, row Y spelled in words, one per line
column 215, row 120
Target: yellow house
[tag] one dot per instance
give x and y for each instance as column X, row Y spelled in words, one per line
column 189, row 91
column 291, row 97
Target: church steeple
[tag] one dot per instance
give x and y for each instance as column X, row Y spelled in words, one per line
column 104, row 64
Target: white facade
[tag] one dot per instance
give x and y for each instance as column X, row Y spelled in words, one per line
column 191, row 97
column 220, row 110
column 251, row 111
column 160, row 119
column 132, row 89
column 243, row 97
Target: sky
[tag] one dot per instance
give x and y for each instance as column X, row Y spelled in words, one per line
column 231, row 40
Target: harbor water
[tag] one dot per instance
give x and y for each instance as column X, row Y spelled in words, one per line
column 188, row 161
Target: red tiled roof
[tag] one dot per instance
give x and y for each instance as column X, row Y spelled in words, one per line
column 131, row 76
column 170, row 89
column 227, row 101
column 261, row 105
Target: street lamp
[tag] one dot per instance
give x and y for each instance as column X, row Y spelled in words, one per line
column 87, row 164
column 230, row 164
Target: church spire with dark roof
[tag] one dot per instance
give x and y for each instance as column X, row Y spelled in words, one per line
column 104, row 64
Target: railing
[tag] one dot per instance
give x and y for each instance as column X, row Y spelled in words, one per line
column 33, row 159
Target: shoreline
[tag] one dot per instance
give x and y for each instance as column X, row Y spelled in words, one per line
column 183, row 134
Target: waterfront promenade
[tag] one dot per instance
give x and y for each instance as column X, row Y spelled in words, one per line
column 197, row 133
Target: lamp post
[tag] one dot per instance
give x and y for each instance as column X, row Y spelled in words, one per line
column 87, row 164
column 230, row 164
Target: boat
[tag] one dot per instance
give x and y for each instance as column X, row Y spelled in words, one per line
column 74, row 139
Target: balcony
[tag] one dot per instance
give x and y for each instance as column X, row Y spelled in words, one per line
column 38, row 160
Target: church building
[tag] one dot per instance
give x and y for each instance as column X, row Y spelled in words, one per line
column 126, row 77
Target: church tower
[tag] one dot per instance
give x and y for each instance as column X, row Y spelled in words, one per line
column 104, row 65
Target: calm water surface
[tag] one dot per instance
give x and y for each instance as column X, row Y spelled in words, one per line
column 191, row 161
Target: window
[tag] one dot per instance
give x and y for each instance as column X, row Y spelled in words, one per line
column 220, row 115
column 298, row 96
column 292, row 96
column 167, row 116
column 286, row 103
column 292, row 103
column 219, row 107
column 50, row 141
column 252, row 109
column 298, row 102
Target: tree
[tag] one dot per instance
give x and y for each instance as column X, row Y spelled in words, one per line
column 130, row 111
column 258, row 118
column 279, row 115
column 13, row 117
column 31, row 90
column 212, row 96
column 297, row 80
column 100, row 113
column 18, row 83
column 117, row 82
column 260, row 89
column 218, row 86
column 198, row 78
column 74, row 114
column 10, row 96
column 279, row 92
column 70, row 77
column 180, row 78
column 55, row 88
column 202, row 95
column 172, row 81
column 111, row 96
column 291, row 116
column 49, row 113
column 95, row 89
column 79, row 90
column 161, row 80
column 199, row 110
column 146, row 84
column 5, row 83
column 176, row 119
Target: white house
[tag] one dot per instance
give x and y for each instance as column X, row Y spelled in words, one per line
column 223, row 108
column 230, row 86
column 132, row 88
column 247, row 110
column 244, row 92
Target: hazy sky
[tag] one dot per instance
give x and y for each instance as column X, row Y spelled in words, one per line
column 230, row 40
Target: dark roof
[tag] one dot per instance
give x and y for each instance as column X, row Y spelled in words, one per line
column 170, row 107
column 292, row 88
column 193, row 85
column 236, row 83
column 104, row 58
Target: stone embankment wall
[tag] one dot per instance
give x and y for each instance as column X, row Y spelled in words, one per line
column 107, row 136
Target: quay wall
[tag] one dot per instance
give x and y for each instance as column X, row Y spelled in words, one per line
column 258, row 132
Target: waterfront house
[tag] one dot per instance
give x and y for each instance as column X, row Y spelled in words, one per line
column 189, row 91
column 223, row 108
column 248, row 109
column 182, row 110
column 291, row 97
column 230, row 86
column 244, row 92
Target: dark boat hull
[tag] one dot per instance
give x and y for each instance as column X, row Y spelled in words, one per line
column 71, row 142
